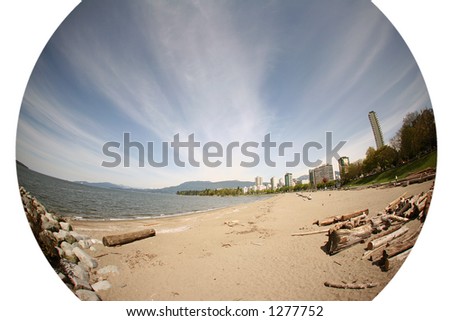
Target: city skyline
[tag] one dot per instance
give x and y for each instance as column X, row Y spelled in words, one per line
column 153, row 69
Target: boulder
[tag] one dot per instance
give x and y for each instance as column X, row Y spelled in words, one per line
column 85, row 244
column 70, row 238
column 101, row 286
column 48, row 243
column 68, row 252
column 65, row 226
column 48, row 224
column 85, row 258
column 109, row 269
column 61, row 235
column 78, row 236
column 79, row 283
column 86, row 295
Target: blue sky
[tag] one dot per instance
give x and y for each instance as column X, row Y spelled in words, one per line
column 223, row 70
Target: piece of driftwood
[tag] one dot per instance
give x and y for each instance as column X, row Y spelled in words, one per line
column 354, row 214
column 350, row 224
column 388, row 231
column 342, row 239
column 374, row 255
column 397, row 218
column 120, row 239
column 391, row 206
column 423, row 214
column 351, row 286
column 405, row 206
column 400, row 246
column 386, row 238
column 339, row 218
column 380, row 223
column 304, row 196
column 387, row 264
column 310, row 232
column 422, row 179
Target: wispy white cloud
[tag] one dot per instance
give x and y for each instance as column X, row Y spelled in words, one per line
column 224, row 70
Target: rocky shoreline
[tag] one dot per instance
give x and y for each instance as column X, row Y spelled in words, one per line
column 69, row 253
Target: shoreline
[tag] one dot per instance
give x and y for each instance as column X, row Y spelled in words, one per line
column 244, row 252
column 158, row 216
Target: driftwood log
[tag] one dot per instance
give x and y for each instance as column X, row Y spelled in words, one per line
column 388, row 231
column 120, row 239
column 423, row 214
column 374, row 255
column 392, row 205
column 341, row 239
column 380, row 223
column 386, row 238
column 350, row 224
column 339, row 218
column 398, row 247
column 352, row 286
column 310, row 233
column 387, row 264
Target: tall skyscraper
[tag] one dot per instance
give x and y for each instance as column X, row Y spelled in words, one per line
column 273, row 184
column 376, row 129
column 258, row 180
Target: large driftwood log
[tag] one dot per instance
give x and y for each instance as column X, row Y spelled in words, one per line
column 423, row 214
column 113, row 240
column 387, row 264
column 352, row 286
column 386, row 238
column 354, row 214
column 374, row 255
column 341, row 239
column 352, row 223
column 339, row 218
column 400, row 246
column 422, row 179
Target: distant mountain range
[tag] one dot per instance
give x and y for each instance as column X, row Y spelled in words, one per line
column 186, row 186
column 103, row 185
column 303, row 178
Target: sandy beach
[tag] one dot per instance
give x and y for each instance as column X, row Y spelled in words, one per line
column 244, row 252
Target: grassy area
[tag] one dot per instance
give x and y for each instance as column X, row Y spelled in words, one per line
column 427, row 161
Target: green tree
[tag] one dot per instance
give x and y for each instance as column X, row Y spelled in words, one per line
column 417, row 134
column 386, row 157
column 370, row 162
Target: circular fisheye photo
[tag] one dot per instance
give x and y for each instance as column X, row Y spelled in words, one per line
column 197, row 150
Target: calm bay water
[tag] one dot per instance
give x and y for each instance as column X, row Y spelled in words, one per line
column 80, row 201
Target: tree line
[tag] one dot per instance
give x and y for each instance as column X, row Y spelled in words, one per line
column 415, row 138
column 239, row 191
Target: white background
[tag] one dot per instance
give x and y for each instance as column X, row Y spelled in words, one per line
column 30, row 288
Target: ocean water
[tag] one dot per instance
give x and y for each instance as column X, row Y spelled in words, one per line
column 86, row 202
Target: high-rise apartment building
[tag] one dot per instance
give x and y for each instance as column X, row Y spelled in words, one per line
column 321, row 174
column 379, row 141
column 343, row 162
column 288, row 180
